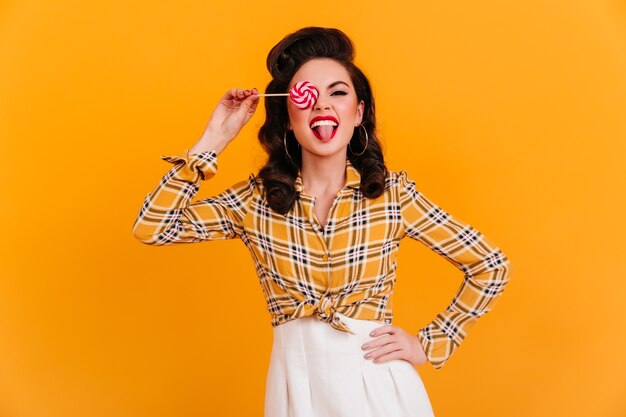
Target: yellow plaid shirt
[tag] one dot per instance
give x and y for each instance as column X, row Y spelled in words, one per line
column 347, row 265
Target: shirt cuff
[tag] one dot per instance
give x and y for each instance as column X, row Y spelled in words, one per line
column 437, row 345
column 194, row 167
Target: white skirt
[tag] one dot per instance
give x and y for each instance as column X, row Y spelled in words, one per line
column 318, row 371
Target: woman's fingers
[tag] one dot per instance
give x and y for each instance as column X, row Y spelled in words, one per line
column 383, row 351
column 379, row 341
column 397, row 354
column 234, row 93
column 239, row 94
column 399, row 344
column 246, row 98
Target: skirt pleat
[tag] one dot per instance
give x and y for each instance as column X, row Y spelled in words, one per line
column 318, row 371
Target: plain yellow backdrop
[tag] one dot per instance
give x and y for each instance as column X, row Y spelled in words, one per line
column 509, row 115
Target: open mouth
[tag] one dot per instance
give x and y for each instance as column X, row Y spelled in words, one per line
column 324, row 128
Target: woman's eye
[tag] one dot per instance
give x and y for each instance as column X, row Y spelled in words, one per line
column 343, row 93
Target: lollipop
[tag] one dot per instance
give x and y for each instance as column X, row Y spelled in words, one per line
column 303, row 94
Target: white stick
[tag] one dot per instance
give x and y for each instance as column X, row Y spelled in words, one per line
column 272, row 95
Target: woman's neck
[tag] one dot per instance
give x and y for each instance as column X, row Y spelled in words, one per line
column 323, row 175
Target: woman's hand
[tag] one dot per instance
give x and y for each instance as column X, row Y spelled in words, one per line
column 394, row 343
column 232, row 112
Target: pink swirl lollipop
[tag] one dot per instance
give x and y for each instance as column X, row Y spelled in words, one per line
column 303, row 94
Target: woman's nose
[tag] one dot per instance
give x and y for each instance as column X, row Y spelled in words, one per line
column 321, row 105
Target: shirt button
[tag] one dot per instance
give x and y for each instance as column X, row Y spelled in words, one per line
column 325, row 257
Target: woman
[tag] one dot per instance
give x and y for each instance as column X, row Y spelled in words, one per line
column 323, row 220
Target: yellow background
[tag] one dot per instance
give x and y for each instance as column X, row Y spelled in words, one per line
column 510, row 115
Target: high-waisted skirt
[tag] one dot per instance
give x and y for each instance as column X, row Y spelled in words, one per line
column 318, row 371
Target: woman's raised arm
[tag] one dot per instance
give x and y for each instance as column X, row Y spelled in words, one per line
column 167, row 215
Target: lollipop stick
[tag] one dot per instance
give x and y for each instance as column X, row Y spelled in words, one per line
column 273, row 95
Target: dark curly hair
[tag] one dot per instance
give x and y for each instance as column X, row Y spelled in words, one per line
column 283, row 61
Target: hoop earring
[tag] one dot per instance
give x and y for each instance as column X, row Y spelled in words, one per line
column 366, row 142
column 285, row 143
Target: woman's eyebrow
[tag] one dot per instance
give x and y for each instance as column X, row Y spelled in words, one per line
column 338, row 82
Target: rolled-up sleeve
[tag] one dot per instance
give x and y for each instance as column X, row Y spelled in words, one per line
column 486, row 269
column 167, row 215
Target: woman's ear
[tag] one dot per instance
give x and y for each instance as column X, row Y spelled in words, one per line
column 359, row 113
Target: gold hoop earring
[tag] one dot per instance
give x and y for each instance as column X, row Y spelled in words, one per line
column 285, row 143
column 366, row 142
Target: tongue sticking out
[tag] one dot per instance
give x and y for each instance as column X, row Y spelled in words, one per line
column 325, row 132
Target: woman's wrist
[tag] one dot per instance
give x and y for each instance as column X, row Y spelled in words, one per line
column 209, row 143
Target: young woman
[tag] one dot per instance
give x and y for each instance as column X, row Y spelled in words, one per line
column 323, row 220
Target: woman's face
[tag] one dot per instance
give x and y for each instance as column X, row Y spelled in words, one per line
column 337, row 99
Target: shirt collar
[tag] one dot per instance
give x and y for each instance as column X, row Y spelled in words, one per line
column 353, row 177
